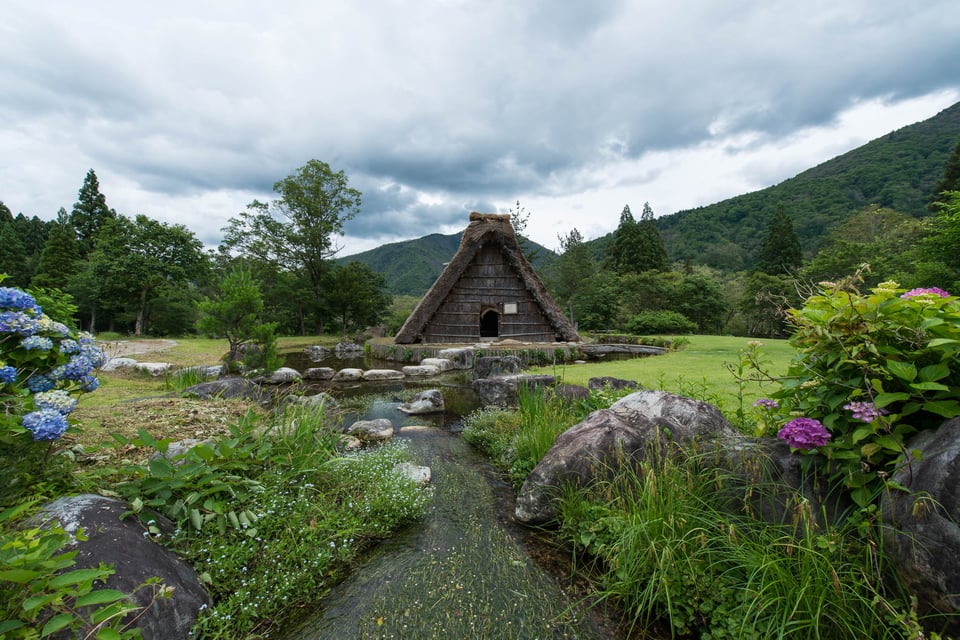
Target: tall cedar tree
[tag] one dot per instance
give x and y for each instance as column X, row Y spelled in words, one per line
column 780, row 252
column 89, row 214
column 637, row 246
column 949, row 182
column 13, row 259
column 58, row 260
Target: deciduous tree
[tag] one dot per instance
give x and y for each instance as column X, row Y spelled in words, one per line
column 296, row 232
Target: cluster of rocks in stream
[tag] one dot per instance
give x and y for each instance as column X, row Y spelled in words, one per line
column 921, row 534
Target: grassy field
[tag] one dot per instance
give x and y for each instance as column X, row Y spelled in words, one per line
column 699, row 369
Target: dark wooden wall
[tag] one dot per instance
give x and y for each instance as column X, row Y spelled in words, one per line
column 488, row 282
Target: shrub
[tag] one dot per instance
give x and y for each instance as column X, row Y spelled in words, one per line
column 42, row 365
column 647, row 322
column 873, row 368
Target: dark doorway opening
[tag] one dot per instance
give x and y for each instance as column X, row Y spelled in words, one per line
column 489, row 324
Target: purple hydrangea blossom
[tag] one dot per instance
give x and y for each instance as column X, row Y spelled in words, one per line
column 865, row 411
column 45, row 424
column 804, row 433
column 925, row 291
column 767, row 403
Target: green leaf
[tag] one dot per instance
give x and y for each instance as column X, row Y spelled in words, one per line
column 20, row 576
column 935, row 372
column 869, row 449
column 101, row 596
column 56, row 623
column 196, row 519
column 108, row 634
column 903, row 370
column 929, row 386
column 10, row 625
column 945, row 408
column 38, row 601
column 884, row 399
column 76, row 577
column 861, row 433
column 939, row 342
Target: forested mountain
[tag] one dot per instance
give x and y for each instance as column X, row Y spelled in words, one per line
column 412, row 266
column 897, row 171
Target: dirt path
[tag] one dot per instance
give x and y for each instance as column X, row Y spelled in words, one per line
column 123, row 348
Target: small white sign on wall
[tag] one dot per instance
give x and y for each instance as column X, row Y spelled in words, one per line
column 509, row 308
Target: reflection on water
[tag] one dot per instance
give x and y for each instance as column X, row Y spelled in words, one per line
column 458, row 573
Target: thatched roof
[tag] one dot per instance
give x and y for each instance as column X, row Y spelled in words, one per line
column 483, row 230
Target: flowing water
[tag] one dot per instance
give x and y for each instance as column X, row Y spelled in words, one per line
column 459, row 572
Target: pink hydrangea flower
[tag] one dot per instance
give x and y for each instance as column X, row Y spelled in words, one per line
column 804, row 433
column 928, row 291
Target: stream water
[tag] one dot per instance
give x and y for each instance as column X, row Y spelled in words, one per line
column 462, row 571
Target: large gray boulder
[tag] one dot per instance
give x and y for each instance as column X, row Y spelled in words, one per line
column 922, row 534
column 283, row 375
column 319, row 373
column 640, row 425
column 503, row 391
column 135, row 558
column 490, row 366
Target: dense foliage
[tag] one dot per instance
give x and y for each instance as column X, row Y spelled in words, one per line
column 873, row 368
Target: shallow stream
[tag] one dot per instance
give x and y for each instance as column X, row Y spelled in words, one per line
column 462, row 571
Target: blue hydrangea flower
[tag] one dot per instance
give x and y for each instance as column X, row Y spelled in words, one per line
column 45, row 424
column 77, row 368
column 58, row 400
column 13, row 298
column 69, row 345
column 89, row 383
column 94, row 354
column 39, row 343
column 8, row 374
column 40, row 382
column 18, row 322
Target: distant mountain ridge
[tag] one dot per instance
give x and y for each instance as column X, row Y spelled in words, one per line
column 898, row 170
column 410, row 267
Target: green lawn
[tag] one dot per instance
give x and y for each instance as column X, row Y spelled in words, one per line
column 697, row 370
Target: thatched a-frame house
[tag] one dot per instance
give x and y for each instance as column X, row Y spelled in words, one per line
column 488, row 290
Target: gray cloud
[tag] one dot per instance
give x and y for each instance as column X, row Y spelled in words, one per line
column 436, row 108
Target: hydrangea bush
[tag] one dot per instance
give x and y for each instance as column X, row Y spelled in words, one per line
column 871, row 369
column 42, row 365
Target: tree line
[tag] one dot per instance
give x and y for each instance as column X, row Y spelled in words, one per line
column 276, row 262
column 134, row 274
column 627, row 283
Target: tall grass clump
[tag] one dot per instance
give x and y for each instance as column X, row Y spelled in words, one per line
column 667, row 548
column 517, row 439
column 272, row 515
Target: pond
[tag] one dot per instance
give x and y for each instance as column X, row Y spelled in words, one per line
column 465, row 570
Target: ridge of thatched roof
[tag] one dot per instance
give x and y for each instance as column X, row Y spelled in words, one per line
column 485, row 228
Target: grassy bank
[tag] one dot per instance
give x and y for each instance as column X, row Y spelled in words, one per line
column 701, row 369
column 269, row 510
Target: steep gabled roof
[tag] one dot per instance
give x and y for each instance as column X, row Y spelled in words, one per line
column 484, row 229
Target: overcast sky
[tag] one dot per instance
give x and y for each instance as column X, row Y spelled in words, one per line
column 188, row 111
